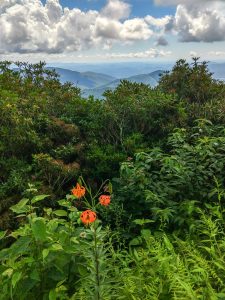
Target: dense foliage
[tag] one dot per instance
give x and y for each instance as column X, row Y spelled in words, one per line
column 148, row 220
column 167, row 187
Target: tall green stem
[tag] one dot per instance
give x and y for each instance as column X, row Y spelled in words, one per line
column 97, row 279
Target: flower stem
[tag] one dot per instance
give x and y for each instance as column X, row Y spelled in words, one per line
column 97, row 279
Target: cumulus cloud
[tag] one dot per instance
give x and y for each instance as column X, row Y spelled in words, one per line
column 135, row 29
column 131, row 30
column 160, row 26
column 205, row 22
column 197, row 21
column 29, row 26
column 116, row 9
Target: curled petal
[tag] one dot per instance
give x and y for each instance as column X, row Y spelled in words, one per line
column 105, row 200
column 78, row 191
column 88, row 216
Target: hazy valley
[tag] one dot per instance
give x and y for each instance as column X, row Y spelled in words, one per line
column 95, row 79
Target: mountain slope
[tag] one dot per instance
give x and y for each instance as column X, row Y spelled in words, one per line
column 218, row 70
column 150, row 79
column 116, row 69
column 83, row 80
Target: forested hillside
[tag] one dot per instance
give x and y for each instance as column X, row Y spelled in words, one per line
column 121, row 198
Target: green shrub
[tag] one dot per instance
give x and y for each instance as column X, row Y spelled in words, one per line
column 167, row 186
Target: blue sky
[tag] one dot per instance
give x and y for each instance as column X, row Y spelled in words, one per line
column 139, row 7
column 112, row 30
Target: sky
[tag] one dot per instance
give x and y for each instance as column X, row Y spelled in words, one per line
column 111, row 30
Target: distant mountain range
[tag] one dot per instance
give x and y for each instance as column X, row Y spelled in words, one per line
column 95, row 78
column 149, row 79
column 218, row 70
column 96, row 84
column 84, row 80
column 116, row 69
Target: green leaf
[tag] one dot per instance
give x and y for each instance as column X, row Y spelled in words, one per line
column 35, row 275
column 16, row 277
column 39, row 229
column 142, row 221
column 52, row 295
column 59, row 284
column 82, row 270
column 39, row 198
column 219, row 265
column 48, row 211
column 73, row 209
column 135, row 254
column 65, row 203
column 110, row 188
column 146, row 233
column 2, row 234
column 8, row 272
column 135, row 242
column 56, row 247
column 52, row 225
column 21, row 206
column 60, row 213
column 20, row 247
column 45, row 253
column 168, row 244
column 74, row 240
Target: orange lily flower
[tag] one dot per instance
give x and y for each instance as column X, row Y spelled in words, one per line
column 88, row 216
column 78, row 191
column 105, row 200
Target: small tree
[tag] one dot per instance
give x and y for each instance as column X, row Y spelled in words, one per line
column 191, row 82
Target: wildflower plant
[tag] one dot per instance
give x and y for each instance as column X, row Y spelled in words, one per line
column 53, row 248
column 89, row 200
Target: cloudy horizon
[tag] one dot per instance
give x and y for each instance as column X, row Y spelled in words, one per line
column 106, row 30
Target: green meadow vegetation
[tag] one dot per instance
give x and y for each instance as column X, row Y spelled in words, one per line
column 114, row 199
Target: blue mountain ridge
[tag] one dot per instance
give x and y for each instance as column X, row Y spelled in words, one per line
column 95, row 83
column 149, row 79
column 83, row 80
column 95, row 78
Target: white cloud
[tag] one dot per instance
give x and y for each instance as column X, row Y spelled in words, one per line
column 151, row 53
column 28, row 26
column 106, row 56
column 204, row 23
column 158, row 22
column 198, row 21
column 131, row 30
column 105, row 28
column 54, row 11
column 217, row 53
column 135, row 29
column 116, row 9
